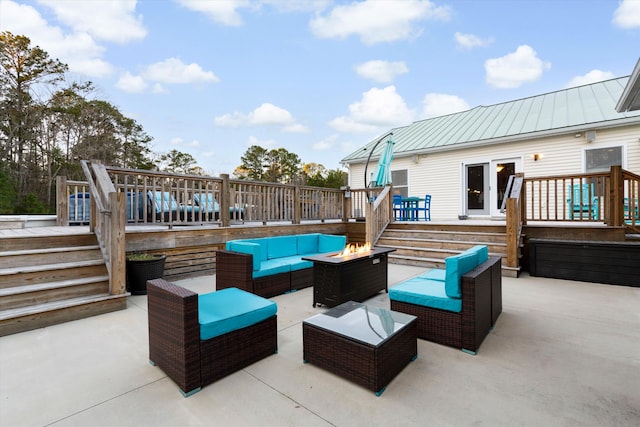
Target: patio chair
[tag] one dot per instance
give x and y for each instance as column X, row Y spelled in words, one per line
column 161, row 205
column 424, row 211
column 582, row 202
column 198, row 339
column 400, row 212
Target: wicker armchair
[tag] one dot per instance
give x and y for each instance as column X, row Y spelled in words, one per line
column 175, row 345
column 481, row 306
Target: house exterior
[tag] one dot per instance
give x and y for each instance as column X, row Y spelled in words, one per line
column 464, row 160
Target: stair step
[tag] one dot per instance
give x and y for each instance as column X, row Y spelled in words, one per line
column 38, row 316
column 49, row 267
column 441, row 241
column 16, row 290
column 30, row 257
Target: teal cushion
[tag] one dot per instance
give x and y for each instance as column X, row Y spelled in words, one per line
column 331, row 243
column 434, row 274
column 231, row 309
column 307, row 243
column 482, row 251
column 296, row 263
column 282, row 246
column 264, row 246
column 425, row 292
column 272, row 266
column 456, row 266
column 247, row 248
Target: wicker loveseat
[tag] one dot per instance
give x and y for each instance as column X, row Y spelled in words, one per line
column 270, row 266
column 456, row 306
column 198, row 339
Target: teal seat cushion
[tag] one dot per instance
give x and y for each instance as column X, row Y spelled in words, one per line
column 456, row 266
column 307, row 243
column 425, row 292
column 247, row 248
column 298, row 264
column 434, row 274
column 231, row 309
column 271, row 266
column 281, row 246
column 331, row 243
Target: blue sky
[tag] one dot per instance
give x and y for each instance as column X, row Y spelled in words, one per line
column 320, row 78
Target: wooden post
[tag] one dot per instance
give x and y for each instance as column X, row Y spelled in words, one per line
column 117, row 241
column 297, row 205
column 616, row 196
column 62, row 201
column 513, row 231
column 346, row 204
column 225, row 201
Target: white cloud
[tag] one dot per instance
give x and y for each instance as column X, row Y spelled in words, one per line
column 381, row 71
column 266, row 114
column 440, row 104
column 269, row 144
column 377, row 21
column 109, row 20
column 173, row 70
column 514, row 69
column 378, row 108
column 130, row 83
column 627, row 15
column 592, row 76
column 221, row 11
column 78, row 50
column 326, row 144
column 469, row 41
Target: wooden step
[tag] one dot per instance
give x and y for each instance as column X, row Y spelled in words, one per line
column 30, row 275
column 31, row 257
column 453, row 245
column 41, row 293
column 52, row 313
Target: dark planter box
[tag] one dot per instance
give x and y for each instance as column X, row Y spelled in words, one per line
column 139, row 271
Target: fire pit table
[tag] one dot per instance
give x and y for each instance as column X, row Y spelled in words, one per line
column 353, row 277
column 366, row 345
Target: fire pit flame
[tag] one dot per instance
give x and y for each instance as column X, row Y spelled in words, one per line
column 352, row 249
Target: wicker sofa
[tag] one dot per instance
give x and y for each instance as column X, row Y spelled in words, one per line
column 198, row 339
column 456, row 306
column 270, row 266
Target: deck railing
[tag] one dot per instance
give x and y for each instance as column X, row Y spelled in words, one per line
column 607, row 197
column 379, row 212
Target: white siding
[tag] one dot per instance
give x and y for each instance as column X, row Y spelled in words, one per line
column 440, row 174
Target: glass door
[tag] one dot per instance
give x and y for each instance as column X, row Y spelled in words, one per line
column 501, row 171
column 477, row 184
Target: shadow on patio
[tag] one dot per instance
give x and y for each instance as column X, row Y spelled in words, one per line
column 561, row 353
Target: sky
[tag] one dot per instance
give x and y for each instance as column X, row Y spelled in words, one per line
column 320, row 78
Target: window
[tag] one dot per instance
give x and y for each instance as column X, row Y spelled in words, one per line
column 400, row 182
column 601, row 159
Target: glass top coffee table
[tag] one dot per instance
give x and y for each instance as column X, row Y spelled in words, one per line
column 367, row 345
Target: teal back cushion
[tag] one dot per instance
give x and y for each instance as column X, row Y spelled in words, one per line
column 482, row 251
column 456, row 266
column 307, row 243
column 247, row 248
column 282, row 246
column 264, row 245
column 331, row 243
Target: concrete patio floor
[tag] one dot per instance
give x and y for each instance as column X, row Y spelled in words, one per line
column 562, row 353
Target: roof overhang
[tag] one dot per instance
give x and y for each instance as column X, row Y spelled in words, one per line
column 630, row 98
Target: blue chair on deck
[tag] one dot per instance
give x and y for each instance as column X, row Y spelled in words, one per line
column 424, row 211
column 162, row 204
column 582, row 202
column 399, row 210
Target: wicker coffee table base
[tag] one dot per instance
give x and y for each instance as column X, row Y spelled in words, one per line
column 369, row 366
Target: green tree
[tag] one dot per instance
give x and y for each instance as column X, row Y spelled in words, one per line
column 178, row 162
column 278, row 165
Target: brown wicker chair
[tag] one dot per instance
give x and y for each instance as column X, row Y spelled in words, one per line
column 175, row 345
column 481, row 306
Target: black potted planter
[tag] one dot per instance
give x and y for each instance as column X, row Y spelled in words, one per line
column 143, row 267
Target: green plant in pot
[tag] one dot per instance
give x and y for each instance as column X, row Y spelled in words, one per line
column 142, row 267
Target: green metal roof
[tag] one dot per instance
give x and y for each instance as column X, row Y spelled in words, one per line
column 569, row 110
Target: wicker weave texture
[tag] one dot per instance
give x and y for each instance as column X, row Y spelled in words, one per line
column 370, row 366
column 481, row 289
column 176, row 348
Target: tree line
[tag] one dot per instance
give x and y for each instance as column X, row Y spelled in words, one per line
column 48, row 125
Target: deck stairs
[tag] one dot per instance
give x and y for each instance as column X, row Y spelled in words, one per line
column 54, row 279
column 427, row 244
